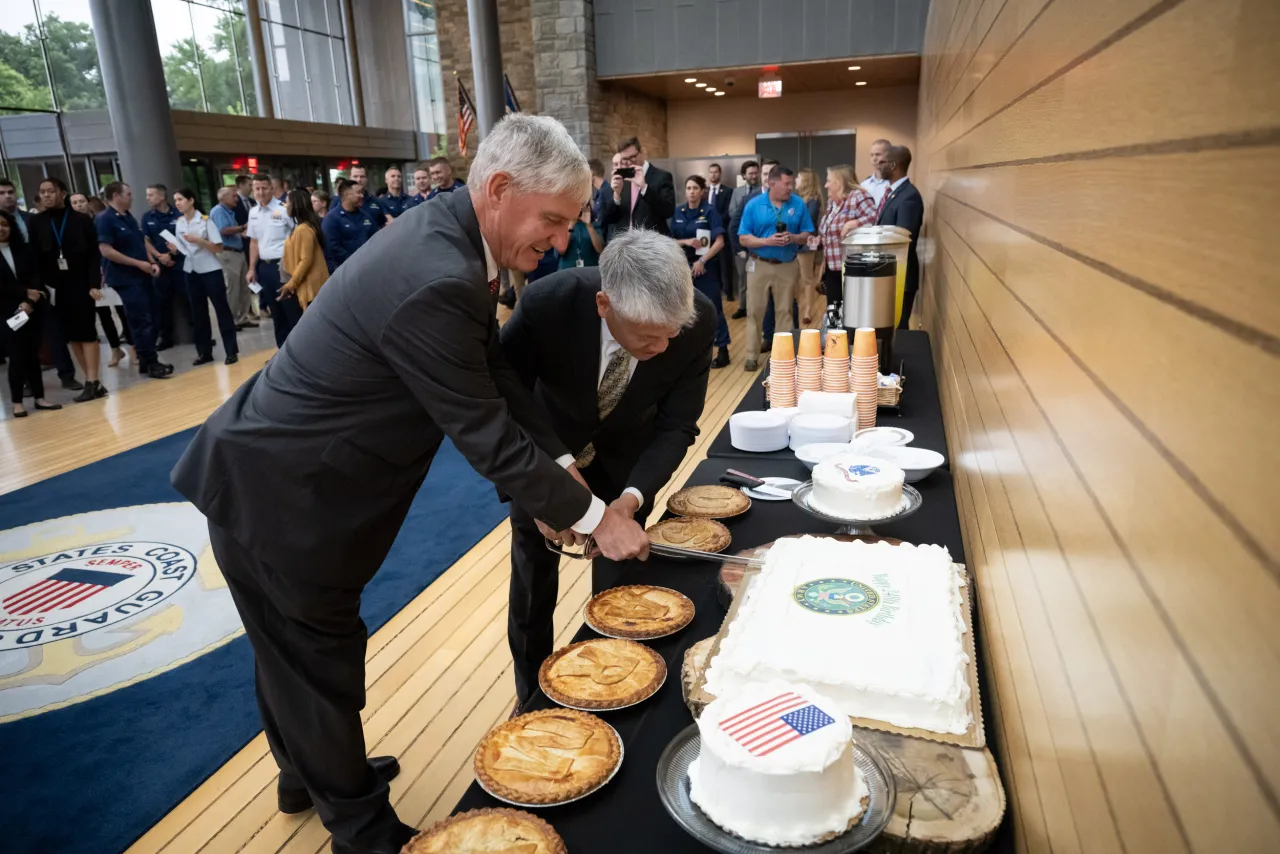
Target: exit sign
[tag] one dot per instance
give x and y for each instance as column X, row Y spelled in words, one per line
column 770, row 88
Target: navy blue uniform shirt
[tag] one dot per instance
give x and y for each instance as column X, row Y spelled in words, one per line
column 154, row 222
column 344, row 233
column 121, row 232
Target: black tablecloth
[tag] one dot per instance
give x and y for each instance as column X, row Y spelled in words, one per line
column 627, row 815
column 919, row 410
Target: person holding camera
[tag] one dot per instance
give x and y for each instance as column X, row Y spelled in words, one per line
column 774, row 226
column 644, row 196
column 697, row 227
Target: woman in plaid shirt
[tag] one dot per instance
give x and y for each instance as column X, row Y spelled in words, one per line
column 849, row 207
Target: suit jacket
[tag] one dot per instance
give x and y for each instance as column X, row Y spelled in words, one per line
column 721, row 204
column 553, row 341
column 655, row 205
column 15, row 283
column 905, row 207
column 313, row 462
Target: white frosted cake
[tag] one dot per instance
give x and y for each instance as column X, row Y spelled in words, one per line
column 876, row 627
column 849, row 486
column 776, row 766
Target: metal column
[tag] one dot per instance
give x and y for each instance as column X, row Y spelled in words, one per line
column 258, row 56
column 137, row 100
column 486, row 61
column 353, row 62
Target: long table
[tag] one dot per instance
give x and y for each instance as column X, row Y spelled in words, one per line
column 626, row 815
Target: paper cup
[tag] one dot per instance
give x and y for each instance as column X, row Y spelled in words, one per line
column 810, row 343
column 784, row 347
column 837, row 344
column 864, row 342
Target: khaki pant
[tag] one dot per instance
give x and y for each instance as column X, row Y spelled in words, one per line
column 780, row 279
column 813, row 305
column 234, row 266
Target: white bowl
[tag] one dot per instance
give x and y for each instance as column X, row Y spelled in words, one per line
column 816, row 452
column 810, row 427
column 917, row 463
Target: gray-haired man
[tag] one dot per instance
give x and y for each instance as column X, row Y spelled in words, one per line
column 618, row 356
column 307, row 472
column 234, row 263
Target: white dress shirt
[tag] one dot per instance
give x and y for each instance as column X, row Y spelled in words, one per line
column 198, row 259
column 269, row 225
column 876, row 187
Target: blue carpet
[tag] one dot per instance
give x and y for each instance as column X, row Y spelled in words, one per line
column 96, row 775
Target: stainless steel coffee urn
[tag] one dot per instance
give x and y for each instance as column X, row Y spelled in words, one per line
column 870, row 289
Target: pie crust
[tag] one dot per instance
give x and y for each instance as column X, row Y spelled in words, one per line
column 639, row 612
column 702, row 535
column 547, row 757
column 488, row 831
column 602, row 674
column 710, row 501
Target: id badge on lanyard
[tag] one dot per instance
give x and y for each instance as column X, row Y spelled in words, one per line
column 62, row 262
column 57, row 233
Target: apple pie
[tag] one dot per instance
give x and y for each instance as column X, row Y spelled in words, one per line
column 547, row 757
column 489, row 831
column 602, row 674
column 702, row 535
column 711, row 501
column 639, row 612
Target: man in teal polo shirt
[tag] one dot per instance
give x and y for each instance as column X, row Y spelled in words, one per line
column 774, row 227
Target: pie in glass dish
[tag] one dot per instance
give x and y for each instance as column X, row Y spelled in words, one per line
column 547, row 757
column 602, row 674
column 488, row 831
column 639, row 612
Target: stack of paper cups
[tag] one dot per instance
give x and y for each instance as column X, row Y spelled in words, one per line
column 782, row 371
column 864, row 376
column 809, row 361
column 835, row 362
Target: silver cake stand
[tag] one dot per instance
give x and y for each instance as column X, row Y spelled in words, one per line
column 911, row 502
column 673, row 788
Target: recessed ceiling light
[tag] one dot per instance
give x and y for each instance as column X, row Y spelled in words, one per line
column 855, row 67
column 691, row 80
column 711, row 88
column 701, row 85
column 860, row 83
column 719, row 94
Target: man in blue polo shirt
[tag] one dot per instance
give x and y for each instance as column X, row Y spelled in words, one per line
column 124, row 249
column 346, row 227
column 774, row 227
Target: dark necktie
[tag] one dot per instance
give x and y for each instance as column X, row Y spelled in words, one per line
column 612, row 387
column 884, row 200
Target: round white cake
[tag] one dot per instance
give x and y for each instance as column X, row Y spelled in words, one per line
column 776, row 766
column 856, row 487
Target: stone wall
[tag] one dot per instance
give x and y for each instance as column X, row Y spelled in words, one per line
column 618, row 113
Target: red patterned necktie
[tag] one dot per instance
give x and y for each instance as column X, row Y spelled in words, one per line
column 493, row 287
column 884, row 200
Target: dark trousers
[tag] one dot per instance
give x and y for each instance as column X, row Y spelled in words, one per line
column 136, row 297
column 170, row 285
column 268, row 275
column 58, row 351
column 709, row 284
column 205, row 288
column 109, row 326
column 535, row 586
column 23, row 349
column 833, row 284
column 308, row 650
column 908, row 301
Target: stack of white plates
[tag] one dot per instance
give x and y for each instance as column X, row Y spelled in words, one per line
column 758, row 431
column 810, row 428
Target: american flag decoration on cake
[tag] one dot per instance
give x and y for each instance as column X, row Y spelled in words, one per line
column 776, row 722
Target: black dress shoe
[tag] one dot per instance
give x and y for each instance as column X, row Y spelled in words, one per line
column 722, row 358
column 232, row 359
column 99, row 390
column 163, row 345
column 22, row 414
column 158, row 372
column 203, row 360
column 299, row 800
column 72, row 384
column 90, row 393
column 53, row 407
column 167, row 368
column 739, row 314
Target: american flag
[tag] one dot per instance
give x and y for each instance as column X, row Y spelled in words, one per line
column 766, row 726
column 64, row 589
column 466, row 117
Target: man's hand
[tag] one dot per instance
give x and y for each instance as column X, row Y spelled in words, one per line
column 782, row 238
column 95, row 294
column 250, row 276
column 616, row 184
column 164, row 259
column 152, row 269
column 619, row 536
column 698, row 269
column 34, row 295
column 567, row 537
column 638, row 180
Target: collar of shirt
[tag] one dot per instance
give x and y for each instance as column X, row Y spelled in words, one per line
column 608, row 346
column 490, row 265
column 898, row 183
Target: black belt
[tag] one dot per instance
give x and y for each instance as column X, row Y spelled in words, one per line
column 766, row 260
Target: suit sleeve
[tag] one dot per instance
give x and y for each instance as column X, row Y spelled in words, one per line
column 610, row 212
column 911, row 214
column 515, row 370
column 661, row 197
column 440, row 342
column 676, row 422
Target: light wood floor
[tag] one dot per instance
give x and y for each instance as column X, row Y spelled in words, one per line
column 438, row 674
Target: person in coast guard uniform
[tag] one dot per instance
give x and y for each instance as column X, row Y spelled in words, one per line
column 346, row 227
column 694, row 216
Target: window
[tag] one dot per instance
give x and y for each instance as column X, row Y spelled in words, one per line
column 204, row 46
column 424, row 65
column 62, row 32
column 307, row 60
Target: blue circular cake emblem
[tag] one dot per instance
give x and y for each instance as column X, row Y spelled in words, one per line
column 859, row 470
column 839, row 596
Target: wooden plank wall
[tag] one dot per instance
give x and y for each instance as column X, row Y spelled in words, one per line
column 1102, row 190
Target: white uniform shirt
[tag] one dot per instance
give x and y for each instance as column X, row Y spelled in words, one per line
column 199, row 259
column 269, row 225
column 876, row 187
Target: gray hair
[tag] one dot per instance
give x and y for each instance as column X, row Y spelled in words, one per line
column 539, row 155
column 225, row 192
column 646, row 277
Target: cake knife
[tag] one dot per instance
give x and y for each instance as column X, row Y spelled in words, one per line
column 664, row 550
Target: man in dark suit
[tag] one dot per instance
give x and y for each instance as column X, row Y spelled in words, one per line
column 902, row 205
column 307, row 472
column 643, row 196
column 618, row 355
column 718, row 195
